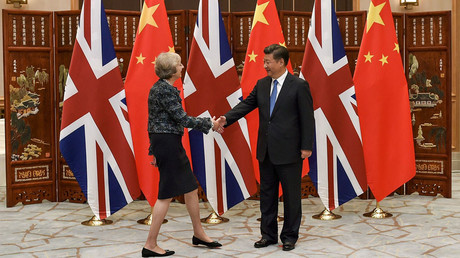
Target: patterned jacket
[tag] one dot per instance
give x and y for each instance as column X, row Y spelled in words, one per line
column 166, row 114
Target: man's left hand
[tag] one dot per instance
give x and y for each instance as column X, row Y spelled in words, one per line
column 305, row 154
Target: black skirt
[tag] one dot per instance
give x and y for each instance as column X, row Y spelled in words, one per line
column 176, row 176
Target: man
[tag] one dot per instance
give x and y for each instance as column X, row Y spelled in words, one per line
column 285, row 138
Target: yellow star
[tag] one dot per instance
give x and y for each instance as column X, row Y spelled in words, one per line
column 154, row 61
column 384, row 60
column 368, row 57
column 283, row 44
column 259, row 14
column 374, row 15
column 252, row 56
column 147, row 17
column 140, row 59
column 396, row 47
column 171, row 49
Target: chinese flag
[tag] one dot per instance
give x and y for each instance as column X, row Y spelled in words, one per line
column 153, row 38
column 383, row 104
column 266, row 30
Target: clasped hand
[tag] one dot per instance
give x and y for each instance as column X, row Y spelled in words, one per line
column 218, row 125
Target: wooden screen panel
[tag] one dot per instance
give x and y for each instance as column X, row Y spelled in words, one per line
column 66, row 25
column 241, row 30
column 123, row 28
column 295, row 27
column 179, row 32
column 351, row 25
column 398, row 19
column 29, row 91
column 428, row 71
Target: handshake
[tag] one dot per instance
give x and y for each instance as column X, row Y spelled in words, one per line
column 218, row 125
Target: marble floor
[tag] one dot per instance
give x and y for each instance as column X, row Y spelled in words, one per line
column 421, row 226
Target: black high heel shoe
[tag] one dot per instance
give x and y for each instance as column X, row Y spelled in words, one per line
column 149, row 253
column 197, row 241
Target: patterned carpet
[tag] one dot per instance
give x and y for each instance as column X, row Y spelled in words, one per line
column 421, row 226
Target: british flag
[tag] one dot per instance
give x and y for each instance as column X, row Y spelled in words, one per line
column 337, row 163
column 95, row 137
column 221, row 163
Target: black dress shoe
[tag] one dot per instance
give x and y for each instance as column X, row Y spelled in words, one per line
column 288, row 246
column 264, row 243
column 197, row 241
column 149, row 253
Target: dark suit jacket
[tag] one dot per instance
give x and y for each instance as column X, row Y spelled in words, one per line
column 291, row 126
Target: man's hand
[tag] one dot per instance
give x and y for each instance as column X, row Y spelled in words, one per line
column 222, row 121
column 305, row 154
column 154, row 162
column 217, row 125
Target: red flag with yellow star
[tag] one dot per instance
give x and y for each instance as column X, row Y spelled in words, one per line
column 153, row 37
column 265, row 30
column 383, row 104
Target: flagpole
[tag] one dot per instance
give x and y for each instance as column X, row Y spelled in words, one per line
column 378, row 213
column 94, row 221
column 148, row 219
column 326, row 214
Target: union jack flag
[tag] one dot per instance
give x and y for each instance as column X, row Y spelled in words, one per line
column 337, row 163
column 95, row 137
column 221, row 163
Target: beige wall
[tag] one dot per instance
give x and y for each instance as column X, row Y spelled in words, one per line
column 38, row 5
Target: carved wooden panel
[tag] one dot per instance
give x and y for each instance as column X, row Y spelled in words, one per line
column 398, row 19
column 428, row 71
column 123, row 28
column 179, row 32
column 66, row 25
column 29, row 91
column 295, row 27
column 351, row 26
column 241, row 30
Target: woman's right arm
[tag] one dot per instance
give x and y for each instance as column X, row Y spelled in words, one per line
column 169, row 102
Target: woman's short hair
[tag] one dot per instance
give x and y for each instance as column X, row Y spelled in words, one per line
column 165, row 64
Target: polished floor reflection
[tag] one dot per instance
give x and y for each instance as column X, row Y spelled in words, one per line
column 421, row 226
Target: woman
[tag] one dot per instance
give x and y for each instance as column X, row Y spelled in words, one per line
column 166, row 123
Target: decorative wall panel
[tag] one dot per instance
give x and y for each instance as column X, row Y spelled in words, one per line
column 428, row 72
column 29, row 116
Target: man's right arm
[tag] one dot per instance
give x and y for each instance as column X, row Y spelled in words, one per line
column 242, row 109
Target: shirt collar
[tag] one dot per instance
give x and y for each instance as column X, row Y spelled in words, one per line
column 281, row 78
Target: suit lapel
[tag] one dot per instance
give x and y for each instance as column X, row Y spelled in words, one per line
column 266, row 95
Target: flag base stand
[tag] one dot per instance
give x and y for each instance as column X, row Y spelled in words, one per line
column 213, row 218
column 94, row 221
column 326, row 215
column 148, row 220
column 378, row 213
column 278, row 219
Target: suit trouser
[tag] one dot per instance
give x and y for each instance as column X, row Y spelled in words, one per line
column 289, row 175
